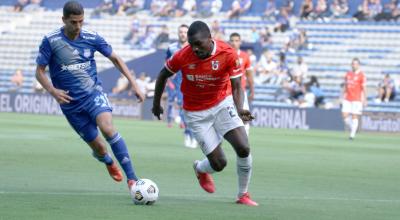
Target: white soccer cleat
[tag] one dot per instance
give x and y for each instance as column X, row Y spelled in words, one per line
column 193, row 143
column 188, row 141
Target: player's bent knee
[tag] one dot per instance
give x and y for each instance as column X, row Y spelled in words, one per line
column 108, row 131
column 243, row 151
column 218, row 165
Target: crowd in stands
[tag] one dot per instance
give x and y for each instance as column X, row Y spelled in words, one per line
column 272, row 68
column 27, row 5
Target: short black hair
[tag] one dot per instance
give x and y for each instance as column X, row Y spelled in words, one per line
column 72, row 8
column 235, row 34
column 184, row 26
column 199, row 27
column 356, row 59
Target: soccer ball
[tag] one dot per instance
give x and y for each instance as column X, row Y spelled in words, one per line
column 144, row 192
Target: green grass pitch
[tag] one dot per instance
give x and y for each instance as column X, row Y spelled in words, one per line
column 47, row 172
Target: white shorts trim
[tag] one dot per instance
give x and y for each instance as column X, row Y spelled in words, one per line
column 352, row 107
column 210, row 125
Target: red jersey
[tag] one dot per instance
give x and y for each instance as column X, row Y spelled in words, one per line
column 354, row 85
column 206, row 82
column 245, row 65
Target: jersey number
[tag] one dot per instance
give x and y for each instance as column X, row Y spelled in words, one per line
column 102, row 101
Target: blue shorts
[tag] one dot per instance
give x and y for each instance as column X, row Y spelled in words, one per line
column 83, row 121
column 175, row 94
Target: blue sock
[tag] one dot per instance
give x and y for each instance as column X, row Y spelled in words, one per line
column 120, row 151
column 170, row 106
column 106, row 159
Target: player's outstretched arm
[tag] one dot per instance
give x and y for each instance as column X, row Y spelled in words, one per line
column 121, row 66
column 61, row 96
column 238, row 96
column 158, row 91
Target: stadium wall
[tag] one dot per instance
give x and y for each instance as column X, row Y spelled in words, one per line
column 265, row 116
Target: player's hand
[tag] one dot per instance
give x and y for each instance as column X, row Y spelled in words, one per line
column 139, row 95
column 157, row 111
column 245, row 115
column 251, row 96
column 61, row 96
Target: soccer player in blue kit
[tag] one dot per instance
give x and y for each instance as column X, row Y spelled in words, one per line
column 173, row 87
column 69, row 53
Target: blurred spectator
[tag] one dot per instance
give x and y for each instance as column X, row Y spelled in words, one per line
column 255, row 36
column 20, row 5
column 162, row 40
column 265, row 37
column 282, row 70
column 339, row 8
column 321, row 10
column 132, row 36
column 317, row 96
column 238, row 8
column 296, row 90
column 143, row 82
column 129, row 7
column 270, row 10
column 17, row 80
column 283, row 21
column 217, row 31
column 252, row 57
column 368, row 10
column 121, row 86
column 37, row 87
column 297, row 40
column 391, row 11
column 147, row 40
column 306, row 9
column 163, row 8
column 106, row 7
column 33, row 5
column 300, row 69
column 209, row 8
column 289, row 6
column 266, row 68
column 386, row 90
column 188, row 8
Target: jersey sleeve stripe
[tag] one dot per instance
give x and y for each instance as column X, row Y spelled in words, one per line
column 168, row 68
column 236, row 76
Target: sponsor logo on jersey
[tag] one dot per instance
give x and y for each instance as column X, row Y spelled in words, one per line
column 192, row 66
column 55, row 39
column 88, row 37
column 74, row 67
column 190, row 77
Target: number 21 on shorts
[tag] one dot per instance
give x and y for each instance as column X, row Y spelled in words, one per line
column 102, row 101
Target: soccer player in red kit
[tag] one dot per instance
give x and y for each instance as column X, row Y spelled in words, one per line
column 354, row 97
column 212, row 103
column 247, row 70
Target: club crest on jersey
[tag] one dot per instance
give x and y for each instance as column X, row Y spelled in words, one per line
column 192, row 66
column 87, row 53
column 190, row 77
column 214, row 64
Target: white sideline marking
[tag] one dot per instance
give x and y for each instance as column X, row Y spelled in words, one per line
column 202, row 196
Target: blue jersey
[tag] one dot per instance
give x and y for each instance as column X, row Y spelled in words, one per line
column 71, row 63
column 177, row 79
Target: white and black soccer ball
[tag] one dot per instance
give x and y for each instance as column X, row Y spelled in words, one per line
column 144, row 192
